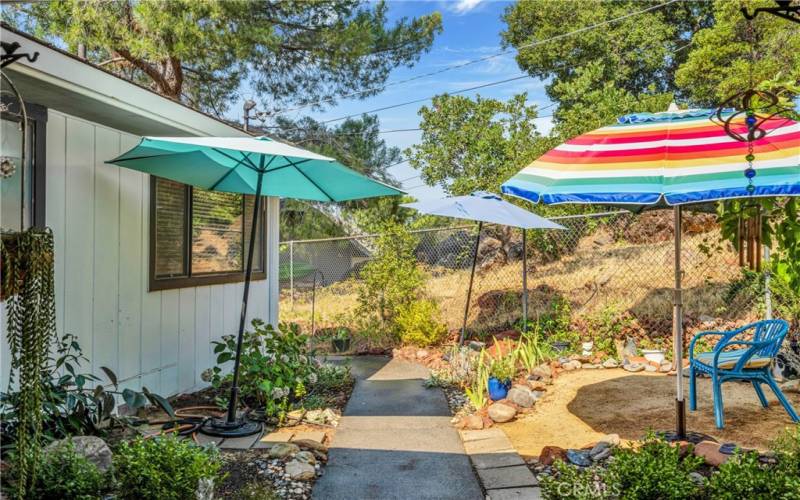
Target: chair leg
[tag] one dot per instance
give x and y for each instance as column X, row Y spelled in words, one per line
column 692, row 389
column 785, row 402
column 760, row 393
column 719, row 417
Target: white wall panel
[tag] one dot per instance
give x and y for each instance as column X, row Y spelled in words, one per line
column 100, row 219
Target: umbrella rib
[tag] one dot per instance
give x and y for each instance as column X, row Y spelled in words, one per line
column 245, row 158
column 229, row 172
column 330, row 198
column 286, row 166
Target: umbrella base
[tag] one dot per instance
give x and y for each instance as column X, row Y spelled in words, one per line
column 220, row 427
column 690, row 437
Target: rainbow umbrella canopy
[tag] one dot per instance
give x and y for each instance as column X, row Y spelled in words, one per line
column 675, row 158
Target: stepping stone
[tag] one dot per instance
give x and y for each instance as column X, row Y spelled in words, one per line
column 525, row 493
column 203, row 439
column 240, row 443
column 493, row 432
column 502, row 458
column 274, row 438
column 493, row 445
column 507, row 477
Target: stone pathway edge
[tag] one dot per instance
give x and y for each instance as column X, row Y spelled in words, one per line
column 501, row 471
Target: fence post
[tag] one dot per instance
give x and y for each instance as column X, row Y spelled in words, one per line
column 291, row 273
column 767, row 291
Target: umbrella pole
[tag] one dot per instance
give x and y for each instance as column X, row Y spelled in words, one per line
column 471, row 278
column 677, row 332
column 231, row 427
column 524, row 282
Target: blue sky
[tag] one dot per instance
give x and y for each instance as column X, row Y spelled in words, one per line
column 471, row 29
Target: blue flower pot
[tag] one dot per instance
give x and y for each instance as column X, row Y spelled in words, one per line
column 498, row 390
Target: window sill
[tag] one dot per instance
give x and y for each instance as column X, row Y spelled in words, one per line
column 196, row 281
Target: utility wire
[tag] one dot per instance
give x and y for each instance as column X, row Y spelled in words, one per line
column 475, row 61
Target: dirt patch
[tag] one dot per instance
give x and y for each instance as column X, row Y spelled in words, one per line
column 582, row 406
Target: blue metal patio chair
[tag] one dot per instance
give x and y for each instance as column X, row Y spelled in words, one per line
column 752, row 362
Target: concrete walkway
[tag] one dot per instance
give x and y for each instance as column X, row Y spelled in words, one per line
column 395, row 440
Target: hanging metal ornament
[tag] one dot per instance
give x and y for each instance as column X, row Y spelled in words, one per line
column 756, row 106
column 785, row 9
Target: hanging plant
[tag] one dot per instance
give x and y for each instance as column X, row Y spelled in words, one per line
column 26, row 259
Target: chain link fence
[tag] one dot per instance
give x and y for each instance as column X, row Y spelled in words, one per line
column 613, row 269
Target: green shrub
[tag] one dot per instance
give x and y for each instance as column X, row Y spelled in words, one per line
column 418, row 323
column 275, row 366
column 63, row 473
column 391, row 279
column 654, row 470
column 743, row 476
column 163, row 468
column 504, row 367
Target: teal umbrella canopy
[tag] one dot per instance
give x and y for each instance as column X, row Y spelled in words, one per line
column 233, row 164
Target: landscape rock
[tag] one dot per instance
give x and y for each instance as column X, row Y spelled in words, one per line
column 537, row 385
column 283, row 450
column 610, row 363
column 310, row 444
column 300, row 471
column 611, row 439
column 791, row 386
column 521, row 396
column 579, row 457
column 542, row 373
column 600, row 451
column 650, row 368
column 550, row 454
column 629, row 350
column 307, row 457
column 665, row 367
column 471, row 422
column 92, row 448
column 500, row 412
column 422, row 353
column 476, row 345
column 697, row 478
column 710, row 451
column 633, row 367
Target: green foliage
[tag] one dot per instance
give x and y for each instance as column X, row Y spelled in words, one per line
column 274, row 368
column 503, row 367
column 391, row 279
column 557, row 320
column 654, row 470
column 478, row 391
column 418, row 323
column 63, row 473
column 201, row 53
column 605, row 326
column 573, row 483
column 163, row 468
column 475, row 144
column 531, row 351
column 780, row 230
column 69, row 406
column 743, row 476
column 719, row 62
column 332, row 381
column 257, row 491
column 27, row 259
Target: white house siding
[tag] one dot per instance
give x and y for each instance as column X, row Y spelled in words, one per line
column 99, row 217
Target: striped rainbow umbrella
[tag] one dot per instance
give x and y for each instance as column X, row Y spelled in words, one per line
column 672, row 158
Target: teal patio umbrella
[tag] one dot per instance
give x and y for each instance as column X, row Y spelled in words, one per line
column 255, row 166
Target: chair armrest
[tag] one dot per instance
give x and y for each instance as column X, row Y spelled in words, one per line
column 754, row 347
column 704, row 334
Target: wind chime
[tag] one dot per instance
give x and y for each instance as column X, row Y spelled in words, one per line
column 743, row 116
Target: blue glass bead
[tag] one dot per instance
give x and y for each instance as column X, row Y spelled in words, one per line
column 750, row 188
column 751, row 120
column 750, row 173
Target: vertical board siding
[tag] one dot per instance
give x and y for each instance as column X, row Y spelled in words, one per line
column 99, row 215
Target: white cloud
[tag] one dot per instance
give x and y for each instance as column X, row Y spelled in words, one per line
column 464, row 6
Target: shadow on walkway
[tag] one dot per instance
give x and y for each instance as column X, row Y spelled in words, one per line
column 395, row 440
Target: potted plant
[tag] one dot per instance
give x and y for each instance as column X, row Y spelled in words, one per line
column 340, row 339
column 501, row 372
column 562, row 341
column 652, row 351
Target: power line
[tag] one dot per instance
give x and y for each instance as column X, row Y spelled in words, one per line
column 474, row 61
